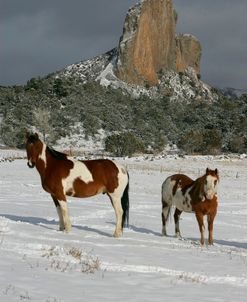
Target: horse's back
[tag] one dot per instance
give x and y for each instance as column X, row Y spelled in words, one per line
column 104, row 167
column 110, row 173
column 174, row 182
column 182, row 179
column 100, row 165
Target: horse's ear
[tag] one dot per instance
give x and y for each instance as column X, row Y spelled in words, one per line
column 27, row 134
column 31, row 137
column 216, row 171
column 207, row 170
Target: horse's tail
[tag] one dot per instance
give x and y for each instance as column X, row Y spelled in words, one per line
column 168, row 207
column 166, row 200
column 125, row 205
column 169, row 214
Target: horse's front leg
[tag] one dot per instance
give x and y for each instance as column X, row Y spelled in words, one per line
column 63, row 215
column 60, row 217
column 211, row 217
column 199, row 217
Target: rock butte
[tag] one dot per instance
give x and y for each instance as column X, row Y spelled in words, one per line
column 149, row 44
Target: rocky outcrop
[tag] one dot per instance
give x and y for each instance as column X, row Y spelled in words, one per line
column 149, row 44
column 188, row 53
column 150, row 59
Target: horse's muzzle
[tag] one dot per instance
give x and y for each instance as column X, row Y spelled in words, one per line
column 30, row 165
column 210, row 195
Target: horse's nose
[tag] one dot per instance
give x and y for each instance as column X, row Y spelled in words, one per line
column 210, row 195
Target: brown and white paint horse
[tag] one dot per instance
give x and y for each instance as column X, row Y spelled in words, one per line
column 199, row 196
column 61, row 176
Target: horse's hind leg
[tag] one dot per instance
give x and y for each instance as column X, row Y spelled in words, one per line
column 63, row 215
column 177, row 214
column 116, row 203
column 164, row 215
column 166, row 200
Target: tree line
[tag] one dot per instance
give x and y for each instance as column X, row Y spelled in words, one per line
column 54, row 105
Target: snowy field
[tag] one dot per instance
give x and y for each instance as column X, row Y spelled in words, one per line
column 39, row 263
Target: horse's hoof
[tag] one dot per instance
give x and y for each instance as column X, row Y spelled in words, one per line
column 117, row 234
column 163, row 232
column 67, row 229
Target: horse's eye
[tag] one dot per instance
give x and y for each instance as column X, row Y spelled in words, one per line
column 205, row 182
column 215, row 182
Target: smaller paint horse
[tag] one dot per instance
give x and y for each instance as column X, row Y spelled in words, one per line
column 199, row 196
column 61, row 176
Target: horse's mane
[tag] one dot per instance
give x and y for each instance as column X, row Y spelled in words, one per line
column 56, row 154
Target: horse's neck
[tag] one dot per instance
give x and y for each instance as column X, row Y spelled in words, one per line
column 197, row 191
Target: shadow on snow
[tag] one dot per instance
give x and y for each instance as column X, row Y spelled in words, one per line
column 44, row 223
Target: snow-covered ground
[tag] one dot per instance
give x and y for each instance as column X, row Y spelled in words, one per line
column 38, row 263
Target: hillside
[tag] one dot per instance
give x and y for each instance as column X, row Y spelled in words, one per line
column 233, row 92
column 98, row 104
column 82, row 113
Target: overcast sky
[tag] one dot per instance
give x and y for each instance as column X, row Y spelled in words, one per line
column 40, row 37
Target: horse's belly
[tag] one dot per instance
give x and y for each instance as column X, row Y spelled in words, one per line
column 88, row 192
column 182, row 202
column 82, row 189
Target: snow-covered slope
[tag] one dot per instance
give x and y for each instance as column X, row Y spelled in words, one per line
column 38, row 263
column 89, row 69
column 179, row 87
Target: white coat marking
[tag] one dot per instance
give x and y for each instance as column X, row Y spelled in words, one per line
column 122, row 180
column 210, row 188
column 180, row 200
column 80, row 171
column 183, row 201
column 42, row 156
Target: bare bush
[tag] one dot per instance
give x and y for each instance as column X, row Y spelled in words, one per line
column 79, row 260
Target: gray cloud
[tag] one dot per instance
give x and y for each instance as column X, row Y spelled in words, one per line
column 221, row 28
column 39, row 37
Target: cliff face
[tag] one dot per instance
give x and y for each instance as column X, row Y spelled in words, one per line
column 149, row 44
column 188, row 53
